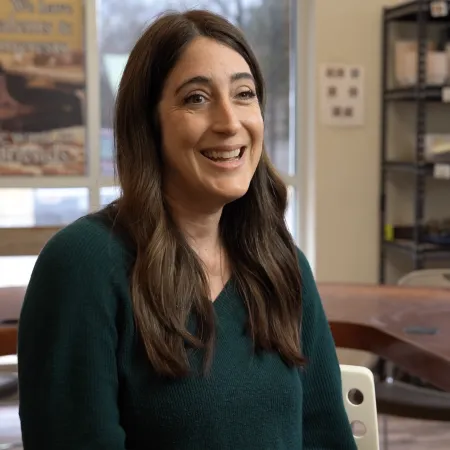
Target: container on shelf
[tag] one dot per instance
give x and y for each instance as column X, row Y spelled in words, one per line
column 406, row 64
column 437, row 147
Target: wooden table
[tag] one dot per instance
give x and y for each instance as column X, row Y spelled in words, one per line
column 409, row 326
column 11, row 299
column 8, row 340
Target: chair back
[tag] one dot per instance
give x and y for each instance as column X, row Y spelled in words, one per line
column 439, row 278
column 358, row 390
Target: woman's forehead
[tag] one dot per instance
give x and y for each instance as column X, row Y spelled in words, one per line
column 206, row 57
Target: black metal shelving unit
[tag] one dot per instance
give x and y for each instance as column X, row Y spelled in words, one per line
column 421, row 14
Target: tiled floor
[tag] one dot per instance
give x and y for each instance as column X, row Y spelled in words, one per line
column 404, row 434
column 407, row 434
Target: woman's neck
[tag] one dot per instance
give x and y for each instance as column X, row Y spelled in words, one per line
column 200, row 228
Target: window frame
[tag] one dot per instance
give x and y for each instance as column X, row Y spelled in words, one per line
column 94, row 180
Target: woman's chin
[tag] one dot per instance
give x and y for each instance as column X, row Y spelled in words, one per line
column 229, row 193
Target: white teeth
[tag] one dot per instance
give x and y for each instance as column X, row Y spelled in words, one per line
column 223, row 155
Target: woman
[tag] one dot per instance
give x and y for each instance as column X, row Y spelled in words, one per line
column 171, row 320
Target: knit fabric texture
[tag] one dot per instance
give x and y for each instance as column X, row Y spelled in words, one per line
column 86, row 382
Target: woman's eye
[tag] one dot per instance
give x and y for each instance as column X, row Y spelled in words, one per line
column 247, row 95
column 196, row 99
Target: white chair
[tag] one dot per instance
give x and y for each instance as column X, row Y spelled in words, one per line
column 358, row 390
column 439, row 278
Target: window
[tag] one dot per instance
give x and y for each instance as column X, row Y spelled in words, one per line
column 291, row 213
column 267, row 25
column 108, row 194
column 16, row 270
column 25, row 207
column 270, row 26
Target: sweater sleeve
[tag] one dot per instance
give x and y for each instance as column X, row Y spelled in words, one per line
column 67, row 345
column 325, row 422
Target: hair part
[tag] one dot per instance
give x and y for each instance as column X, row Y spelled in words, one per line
column 168, row 281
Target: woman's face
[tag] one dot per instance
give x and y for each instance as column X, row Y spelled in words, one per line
column 212, row 127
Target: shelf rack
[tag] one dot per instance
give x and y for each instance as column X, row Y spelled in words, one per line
column 421, row 14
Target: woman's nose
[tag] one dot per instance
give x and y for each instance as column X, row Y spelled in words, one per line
column 225, row 118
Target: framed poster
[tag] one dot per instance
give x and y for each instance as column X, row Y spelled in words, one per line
column 42, row 88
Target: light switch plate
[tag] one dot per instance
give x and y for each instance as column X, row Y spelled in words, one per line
column 342, row 94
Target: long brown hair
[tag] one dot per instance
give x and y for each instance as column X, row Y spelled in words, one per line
column 168, row 282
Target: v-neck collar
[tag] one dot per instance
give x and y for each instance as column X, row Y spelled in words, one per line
column 228, row 299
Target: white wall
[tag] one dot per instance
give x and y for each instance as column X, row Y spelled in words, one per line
column 346, row 172
column 343, row 163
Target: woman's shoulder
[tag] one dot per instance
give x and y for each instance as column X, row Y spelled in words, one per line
column 305, row 267
column 83, row 265
column 91, row 241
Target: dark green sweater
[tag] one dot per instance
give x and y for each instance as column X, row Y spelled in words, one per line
column 85, row 382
